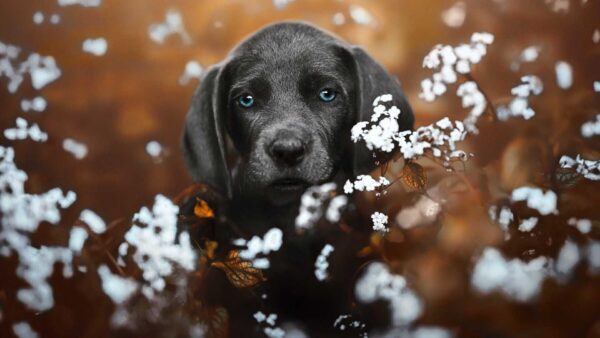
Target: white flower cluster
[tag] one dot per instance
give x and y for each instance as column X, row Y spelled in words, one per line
column 271, row 241
column 24, row 330
column 587, row 168
column 157, row 246
column 380, row 221
column 451, row 60
column 591, row 128
column 193, row 70
column 335, row 208
column 95, row 222
column 23, row 131
column 42, row 69
column 519, row 105
column 37, row 104
column 472, row 97
column 528, row 54
column 440, row 137
column 21, row 214
column 321, row 264
column 269, row 321
column 503, row 218
column 365, row 183
column 119, row 289
column 544, row 203
column 311, row 205
column 521, row 280
column 97, row 47
column 517, row 279
column 583, row 225
column 382, row 129
column 159, row 32
column 78, row 149
column 378, row 283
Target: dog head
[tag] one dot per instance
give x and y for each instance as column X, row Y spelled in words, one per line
column 285, row 100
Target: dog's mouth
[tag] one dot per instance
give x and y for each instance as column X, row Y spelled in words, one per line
column 289, row 184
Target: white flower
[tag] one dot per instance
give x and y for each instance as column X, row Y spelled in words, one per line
column 515, row 278
column 588, row 168
column 23, row 131
column 158, row 247
column 379, row 221
column 591, row 128
column 377, row 283
column 271, row 241
column 528, row 224
column 311, row 204
column 173, row 24
column 321, row 263
column 545, row 203
column 119, row 289
column 519, row 106
column 451, row 60
column 95, row 222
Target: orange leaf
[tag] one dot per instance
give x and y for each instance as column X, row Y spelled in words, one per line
column 414, row 176
column 210, row 247
column 240, row 273
column 202, row 210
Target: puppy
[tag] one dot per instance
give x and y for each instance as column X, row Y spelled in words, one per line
column 274, row 117
column 266, row 123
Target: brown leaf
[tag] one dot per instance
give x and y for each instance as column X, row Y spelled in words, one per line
column 414, row 176
column 217, row 320
column 202, row 210
column 240, row 273
column 209, row 248
column 567, row 177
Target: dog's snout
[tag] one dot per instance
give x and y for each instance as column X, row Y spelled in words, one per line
column 288, row 150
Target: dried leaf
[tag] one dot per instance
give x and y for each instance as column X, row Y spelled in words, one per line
column 217, row 320
column 202, row 210
column 567, row 177
column 209, row 249
column 413, row 175
column 240, row 273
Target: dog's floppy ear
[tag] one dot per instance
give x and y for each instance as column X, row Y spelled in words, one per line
column 373, row 80
column 204, row 147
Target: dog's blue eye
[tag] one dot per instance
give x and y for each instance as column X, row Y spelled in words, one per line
column 246, row 101
column 327, row 95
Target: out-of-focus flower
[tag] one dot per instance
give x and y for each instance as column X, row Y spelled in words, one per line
column 519, row 105
column 564, row 75
column 119, row 289
column 271, row 241
column 378, row 283
column 97, row 47
column 455, row 15
column 23, row 131
column 321, row 263
column 173, row 24
column 515, row 278
column 545, row 203
column 591, row 128
column 158, row 248
column 311, row 205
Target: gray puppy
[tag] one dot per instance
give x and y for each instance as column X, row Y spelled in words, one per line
column 274, row 118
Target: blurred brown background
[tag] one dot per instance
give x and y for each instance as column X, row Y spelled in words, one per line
column 118, row 102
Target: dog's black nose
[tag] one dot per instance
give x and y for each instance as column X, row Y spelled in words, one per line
column 288, row 150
